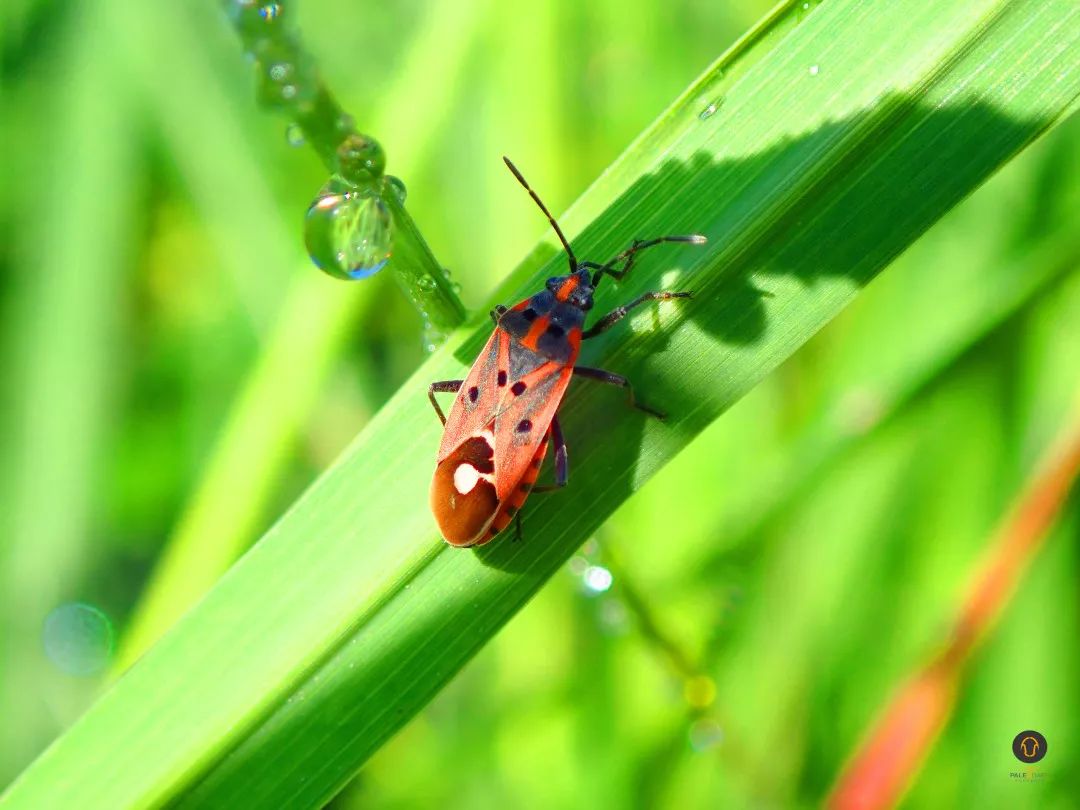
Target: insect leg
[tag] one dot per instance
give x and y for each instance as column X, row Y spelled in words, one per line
column 619, row 313
column 442, row 387
column 629, row 256
column 608, row 377
column 562, row 466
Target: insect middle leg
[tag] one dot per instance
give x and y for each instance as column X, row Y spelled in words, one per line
column 442, row 387
column 610, row 378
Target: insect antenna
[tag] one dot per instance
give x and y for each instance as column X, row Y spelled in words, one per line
column 558, row 231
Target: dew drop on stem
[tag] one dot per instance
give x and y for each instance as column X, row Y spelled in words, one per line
column 294, row 135
column 348, row 232
column 396, row 187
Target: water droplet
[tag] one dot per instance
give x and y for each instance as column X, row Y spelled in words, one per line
column 360, row 159
column 78, row 638
column 348, row 233
column 270, row 12
column 710, row 109
column 426, row 283
column 455, row 287
column 396, row 186
column 577, row 565
column 705, row 734
column 277, row 79
column 597, row 578
column 432, row 337
column 294, row 135
column 814, row 70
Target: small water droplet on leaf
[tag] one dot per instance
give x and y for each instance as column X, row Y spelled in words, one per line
column 710, row 109
column 432, row 337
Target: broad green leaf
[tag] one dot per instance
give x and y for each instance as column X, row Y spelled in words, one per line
column 810, row 155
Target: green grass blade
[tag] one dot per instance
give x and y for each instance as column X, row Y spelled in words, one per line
column 836, row 144
column 221, row 519
column 70, row 261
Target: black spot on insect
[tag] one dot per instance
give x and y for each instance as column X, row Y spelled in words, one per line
column 511, row 511
column 502, row 378
column 474, row 393
column 524, row 487
column 555, row 330
column 518, row 388
column 524, row 426
column 536, row 462
column 529, row 314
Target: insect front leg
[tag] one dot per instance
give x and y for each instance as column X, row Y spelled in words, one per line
column 562, row 465
column 442, row 387
column 619, row 313
column 608, row 377
column 629, row 256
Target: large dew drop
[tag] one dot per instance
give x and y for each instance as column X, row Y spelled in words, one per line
column 348, row 233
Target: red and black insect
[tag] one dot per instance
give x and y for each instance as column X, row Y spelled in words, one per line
column 505, row 414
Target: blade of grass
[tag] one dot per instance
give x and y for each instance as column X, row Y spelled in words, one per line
column 891, row 755
column 855, row 391
column 225, row 511
column 350, row 613
column 70, row 261
column 191, row 108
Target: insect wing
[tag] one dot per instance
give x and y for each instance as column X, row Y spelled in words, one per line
column 497, row 427
column 477, row 401
column 525, row 413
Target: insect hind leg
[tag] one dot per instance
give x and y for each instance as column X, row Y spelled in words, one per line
column 562, row 465
column 442, row 387
column 599, row 375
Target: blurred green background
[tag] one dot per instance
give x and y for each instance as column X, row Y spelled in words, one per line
column 732, row 631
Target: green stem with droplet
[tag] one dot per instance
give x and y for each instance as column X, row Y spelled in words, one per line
column 288, row 80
